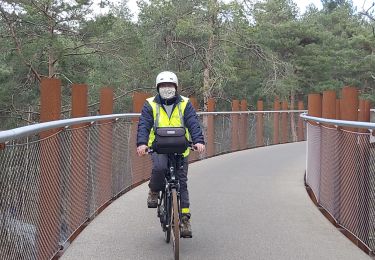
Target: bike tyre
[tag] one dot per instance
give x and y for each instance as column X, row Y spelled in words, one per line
column 168, row 212
column 175, row 225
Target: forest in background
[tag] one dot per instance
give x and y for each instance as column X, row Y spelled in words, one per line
column 239, row 50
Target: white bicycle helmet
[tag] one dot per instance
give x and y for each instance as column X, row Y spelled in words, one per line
column 166, row 76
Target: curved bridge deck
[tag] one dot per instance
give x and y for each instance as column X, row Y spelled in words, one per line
column 245, row 205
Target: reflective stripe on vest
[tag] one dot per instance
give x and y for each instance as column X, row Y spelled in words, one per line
column 161, row 118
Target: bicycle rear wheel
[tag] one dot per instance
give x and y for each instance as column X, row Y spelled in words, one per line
column 175, row 225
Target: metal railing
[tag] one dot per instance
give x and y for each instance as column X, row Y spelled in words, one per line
column 56, row 176
column 340, row 171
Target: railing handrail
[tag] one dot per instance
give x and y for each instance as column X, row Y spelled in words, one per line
column 23, row 131
column 336, row 123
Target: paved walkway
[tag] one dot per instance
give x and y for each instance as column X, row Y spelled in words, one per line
column 245, row 205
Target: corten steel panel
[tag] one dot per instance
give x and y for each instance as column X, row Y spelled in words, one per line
column 244, row 122
column 140, row 166
column 300, row 131
column 329, row 105
column 349, row 182
column 260, row 124
column 79, row 100
column 235, row 125
column 210, row 128
column 284, row 123
column 78, row 181
column 48, row 228
column 338, row 109
column 105, row 146
column 276, row 120
column 314, row 105
column 349, row 105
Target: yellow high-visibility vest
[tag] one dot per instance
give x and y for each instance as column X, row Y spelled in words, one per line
column 161, row 119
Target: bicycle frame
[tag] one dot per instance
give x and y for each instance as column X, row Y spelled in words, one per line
column 175, row 162
column 169, row 202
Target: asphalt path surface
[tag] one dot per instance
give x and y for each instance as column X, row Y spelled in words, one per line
column 245, row 205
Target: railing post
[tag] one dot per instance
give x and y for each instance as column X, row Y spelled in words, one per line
column 276, row 121
column 210, row 128
column 244, row 125
column 300, row 132
column 284, row 123
column 349, row 188
column 260, row 124
column 78, row 179
column 49, row 191
column 140, row 168
column 105, row 148
column 235, row 128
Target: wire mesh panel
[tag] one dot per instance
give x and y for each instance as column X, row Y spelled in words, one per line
column 53, row 182
column 341, row 173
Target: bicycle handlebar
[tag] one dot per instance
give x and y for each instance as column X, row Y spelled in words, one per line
column 191, row 146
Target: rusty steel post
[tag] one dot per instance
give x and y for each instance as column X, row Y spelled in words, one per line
column 78, row 181
column 210, row 128
column 244, row 126
column 338, row 110
column 314, row 106
column 140, row 166
column 105, row 144
column 300, row 132
column 349, row 105
column 349, row 189
column 329, row 105
column 284, row 122
column 260, row 124
column 276, row 121
column 50, row 183
column 235, row 128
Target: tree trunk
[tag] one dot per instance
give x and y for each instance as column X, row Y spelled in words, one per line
column 207, row 80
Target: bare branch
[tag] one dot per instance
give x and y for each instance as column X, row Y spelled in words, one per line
column 18, row 43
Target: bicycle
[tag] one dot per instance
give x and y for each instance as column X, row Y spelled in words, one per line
column 168, row 208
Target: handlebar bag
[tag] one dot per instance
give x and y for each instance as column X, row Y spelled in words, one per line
column 170, row 140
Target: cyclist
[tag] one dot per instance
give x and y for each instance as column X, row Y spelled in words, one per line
column 172, row 108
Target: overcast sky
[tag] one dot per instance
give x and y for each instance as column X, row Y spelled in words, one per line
column 302, row 4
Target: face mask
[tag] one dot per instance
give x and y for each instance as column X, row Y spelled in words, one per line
column 167, row 92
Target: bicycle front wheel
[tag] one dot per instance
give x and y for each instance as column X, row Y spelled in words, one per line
column 168, row 217
column 175, row 225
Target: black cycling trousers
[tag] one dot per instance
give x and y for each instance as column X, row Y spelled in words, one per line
column 159, row 169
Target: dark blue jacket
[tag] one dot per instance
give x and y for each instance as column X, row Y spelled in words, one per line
column 146, row 121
